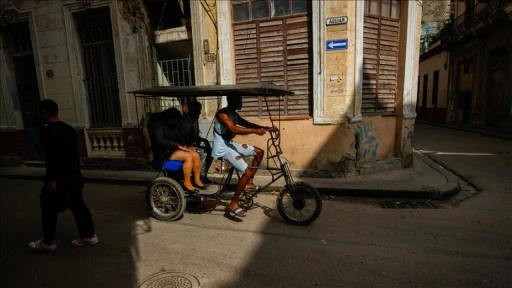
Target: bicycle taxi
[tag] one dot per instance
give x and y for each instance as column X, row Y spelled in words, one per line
column 298, row 203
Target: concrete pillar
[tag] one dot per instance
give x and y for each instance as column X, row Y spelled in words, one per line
column 407, row 80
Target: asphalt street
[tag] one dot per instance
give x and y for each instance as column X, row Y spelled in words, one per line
column 354, row 243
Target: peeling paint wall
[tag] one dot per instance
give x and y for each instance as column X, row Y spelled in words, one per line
column 136, row 58
column 57, row 53
column 333, row 150
column 339, row 64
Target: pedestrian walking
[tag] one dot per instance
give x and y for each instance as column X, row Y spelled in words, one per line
column 63, row 182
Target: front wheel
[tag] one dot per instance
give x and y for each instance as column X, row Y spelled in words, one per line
column 165, row 199
column 300, row 204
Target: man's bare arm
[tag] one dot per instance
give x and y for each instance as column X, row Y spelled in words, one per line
column 226, row 121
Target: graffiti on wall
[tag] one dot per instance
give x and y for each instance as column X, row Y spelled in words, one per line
column 369, row 145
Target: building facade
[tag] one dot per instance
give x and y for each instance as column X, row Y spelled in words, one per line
column 478, row 41
column 434, row 63
column 352, row 65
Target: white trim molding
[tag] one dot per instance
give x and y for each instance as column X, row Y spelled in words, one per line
column 358, row 71
column 318, row 62
column 225, row 51
column 411, row 62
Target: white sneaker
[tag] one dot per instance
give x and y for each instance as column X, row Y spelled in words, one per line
column 40, row 246
column 86, row 241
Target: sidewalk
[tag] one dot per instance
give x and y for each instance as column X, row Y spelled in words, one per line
column 426, row 179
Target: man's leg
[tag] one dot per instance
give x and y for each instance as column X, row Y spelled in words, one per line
column 244, row 179
column 49, row 220
column 81, row 213
column 236, row 160
column 256, row 162
column 48, row 214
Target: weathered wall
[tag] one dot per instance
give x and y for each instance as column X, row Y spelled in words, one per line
column 333, row 150
column 52, row 47
column 339, row 85
column 135, row 59
column 406, row 97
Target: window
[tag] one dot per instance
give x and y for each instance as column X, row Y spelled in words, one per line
column 383, row 8
column 247, row 10
column 435, row 88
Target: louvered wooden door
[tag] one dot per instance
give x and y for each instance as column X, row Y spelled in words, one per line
column 278, row 51
column 381, row 39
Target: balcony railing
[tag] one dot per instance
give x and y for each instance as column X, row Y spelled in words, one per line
column 105, row 143
column 475, row 18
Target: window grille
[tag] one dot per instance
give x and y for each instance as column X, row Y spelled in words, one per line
column 174, row 72
column 95, row 30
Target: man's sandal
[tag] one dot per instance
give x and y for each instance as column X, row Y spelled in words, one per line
column 252, row 188
column 238, row 212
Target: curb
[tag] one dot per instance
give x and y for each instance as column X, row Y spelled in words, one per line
column 451, row 188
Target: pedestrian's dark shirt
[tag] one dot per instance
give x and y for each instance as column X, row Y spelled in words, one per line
column 61, row 157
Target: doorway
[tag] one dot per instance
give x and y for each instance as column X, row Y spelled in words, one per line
column 22, row 57
column 97, row 45
column 496, row 106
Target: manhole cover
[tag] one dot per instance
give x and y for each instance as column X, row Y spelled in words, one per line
column 170, row 280
column 408, row 204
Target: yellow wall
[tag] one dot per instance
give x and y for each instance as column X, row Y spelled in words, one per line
column 324, row 148
column 437, row 62
column 339, row 83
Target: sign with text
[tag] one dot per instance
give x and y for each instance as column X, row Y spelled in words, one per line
column 336, row 20
column 337, row 44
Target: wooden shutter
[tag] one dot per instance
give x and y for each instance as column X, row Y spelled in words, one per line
column 380, row 64
column 274, row 50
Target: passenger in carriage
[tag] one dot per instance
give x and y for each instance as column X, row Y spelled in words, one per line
column 228, row 124
column 193, row 139
column 171, row 145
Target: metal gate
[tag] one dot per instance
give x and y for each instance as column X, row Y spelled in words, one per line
column 95, row 30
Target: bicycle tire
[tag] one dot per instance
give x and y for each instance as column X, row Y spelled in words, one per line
column 301, row 208
column 165, row 199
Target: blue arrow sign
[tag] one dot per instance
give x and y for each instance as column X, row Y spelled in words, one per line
column 337, row 44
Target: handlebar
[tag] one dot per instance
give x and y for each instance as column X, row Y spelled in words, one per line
column 275, row 130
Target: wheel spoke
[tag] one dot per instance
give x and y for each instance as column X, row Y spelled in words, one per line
column 171, row 203
column 300, row 205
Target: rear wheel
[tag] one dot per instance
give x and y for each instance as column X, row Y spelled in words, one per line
column 300, row 204
column 165, row 199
